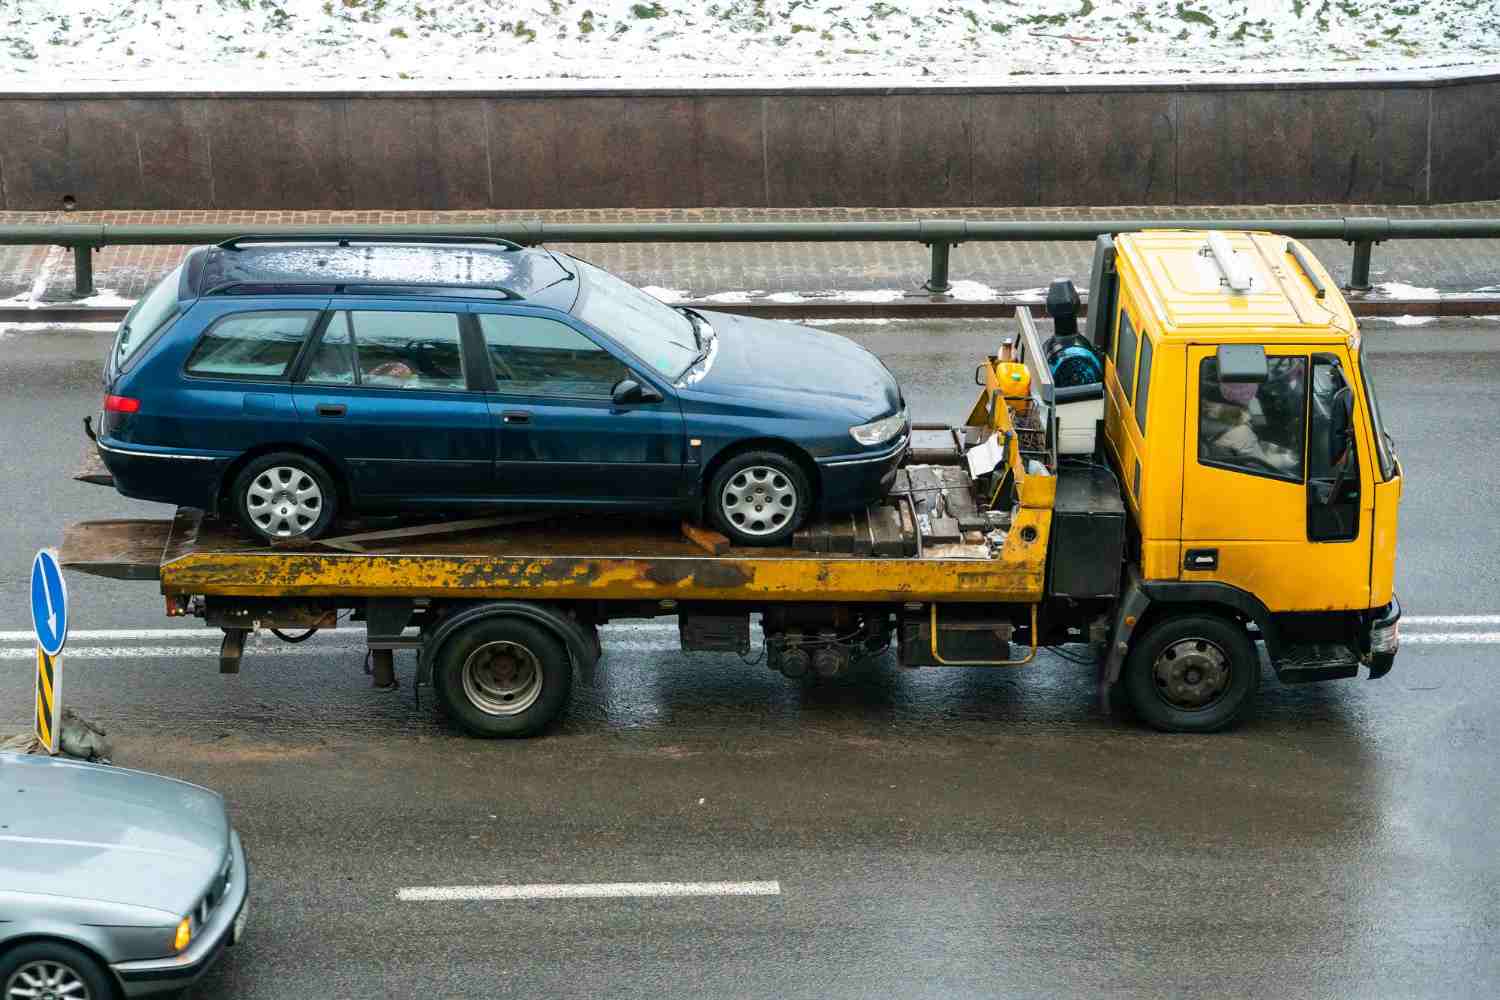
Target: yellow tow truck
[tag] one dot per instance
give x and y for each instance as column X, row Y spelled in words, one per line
column 1204, row 471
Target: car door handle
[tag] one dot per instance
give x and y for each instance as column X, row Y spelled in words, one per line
column 516, row 417
column 332, row 409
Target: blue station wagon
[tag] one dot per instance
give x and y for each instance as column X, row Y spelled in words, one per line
column 286, row 383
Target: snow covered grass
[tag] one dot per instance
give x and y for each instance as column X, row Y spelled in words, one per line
column 298, row 44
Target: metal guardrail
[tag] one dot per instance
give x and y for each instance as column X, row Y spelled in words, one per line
column 939, row 235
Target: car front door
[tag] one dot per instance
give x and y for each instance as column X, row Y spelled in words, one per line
column 561, row 436
column 386, row 390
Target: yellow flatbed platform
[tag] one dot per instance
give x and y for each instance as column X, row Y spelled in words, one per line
column 566, row 558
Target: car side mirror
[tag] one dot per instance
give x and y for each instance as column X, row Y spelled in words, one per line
column 628, row 390
column 1242, row 363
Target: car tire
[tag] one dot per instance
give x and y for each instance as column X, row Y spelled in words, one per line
column 1192, row 674
column 502, row 677
column 65, row 964
column 759, row 498
column 284, row 495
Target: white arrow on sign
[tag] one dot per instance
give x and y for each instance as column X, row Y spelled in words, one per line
column 51, row 612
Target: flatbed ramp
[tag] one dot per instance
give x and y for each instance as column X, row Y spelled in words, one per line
column 566, row 558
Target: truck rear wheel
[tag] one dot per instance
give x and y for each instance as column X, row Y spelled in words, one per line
column 1193, row 674
column 502, row 677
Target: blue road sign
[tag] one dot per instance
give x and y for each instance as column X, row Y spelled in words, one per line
column 49, row 603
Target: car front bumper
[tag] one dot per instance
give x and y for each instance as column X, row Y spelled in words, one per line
column 851, row 481
column 164, row 975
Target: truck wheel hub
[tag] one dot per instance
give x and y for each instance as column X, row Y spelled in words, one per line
column 1191, row 673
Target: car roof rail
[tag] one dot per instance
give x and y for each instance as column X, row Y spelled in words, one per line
column 389, row 239
column 361, row 286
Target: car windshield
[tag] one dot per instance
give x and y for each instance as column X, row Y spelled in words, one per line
column 146, row 316
column 653, row 331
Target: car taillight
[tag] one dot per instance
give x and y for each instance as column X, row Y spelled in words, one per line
column 121, row 404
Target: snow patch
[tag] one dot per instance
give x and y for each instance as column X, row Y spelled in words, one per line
column 1398, row 290
column 668, row 295
column 225, row 45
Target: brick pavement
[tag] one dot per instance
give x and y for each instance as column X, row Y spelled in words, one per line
column 40, row 274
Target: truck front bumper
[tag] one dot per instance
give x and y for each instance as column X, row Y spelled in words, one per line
column 1385, row 638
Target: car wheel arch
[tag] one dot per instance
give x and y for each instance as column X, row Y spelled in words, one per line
column 792, row 450
column 330, row 462
column 93, row 949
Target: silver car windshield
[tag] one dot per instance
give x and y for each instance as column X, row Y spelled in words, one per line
column 653, row 331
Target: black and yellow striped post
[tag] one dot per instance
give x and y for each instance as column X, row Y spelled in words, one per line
column 48, row 699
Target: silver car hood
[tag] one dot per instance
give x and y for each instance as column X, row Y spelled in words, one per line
column 95, row 832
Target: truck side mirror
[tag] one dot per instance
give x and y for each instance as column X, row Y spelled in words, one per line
column 1242, row 363
column 1341, row 425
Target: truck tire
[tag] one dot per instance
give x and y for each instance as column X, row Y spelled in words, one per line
column 53, row 968
column 502, row 677
column 1192, row 674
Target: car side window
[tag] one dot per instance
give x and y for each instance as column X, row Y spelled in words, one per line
column 258, row 345
column 332, row 361
column 1254, row 427
column 536, row 356
column 389, row 350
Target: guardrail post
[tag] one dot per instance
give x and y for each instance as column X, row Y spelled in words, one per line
column 1359, row 273
column 941, row 236
column 937, row 281
column 83, row 270
column 1364, row 232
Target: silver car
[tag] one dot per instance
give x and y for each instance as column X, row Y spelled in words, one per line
column 112, row 882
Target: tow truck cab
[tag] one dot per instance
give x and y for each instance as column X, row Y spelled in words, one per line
column 1242, row 423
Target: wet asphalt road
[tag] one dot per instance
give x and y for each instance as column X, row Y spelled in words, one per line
column 934, row 833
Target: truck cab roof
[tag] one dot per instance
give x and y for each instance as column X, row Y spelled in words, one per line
column 1215, row 286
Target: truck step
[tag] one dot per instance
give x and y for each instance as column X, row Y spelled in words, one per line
column 1303, row 663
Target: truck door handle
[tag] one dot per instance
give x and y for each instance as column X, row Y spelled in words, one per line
column 332, row 409
column 516, row 417
column 1201, row 559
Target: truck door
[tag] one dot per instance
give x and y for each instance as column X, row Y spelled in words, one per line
column 1267, row 506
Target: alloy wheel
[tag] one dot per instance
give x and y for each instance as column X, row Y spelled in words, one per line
column 759, row 500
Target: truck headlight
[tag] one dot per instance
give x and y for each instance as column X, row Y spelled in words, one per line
column 879, row 431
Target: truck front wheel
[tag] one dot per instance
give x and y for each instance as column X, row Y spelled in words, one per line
column 1192, row 674
column 502, row 676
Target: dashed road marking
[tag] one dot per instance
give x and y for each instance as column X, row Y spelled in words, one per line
column 583, row 890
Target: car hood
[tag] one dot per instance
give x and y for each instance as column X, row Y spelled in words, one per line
column 95, row 832
column 767, row 359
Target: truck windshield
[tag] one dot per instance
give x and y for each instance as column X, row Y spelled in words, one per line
column 146, row 317
column 1384, row 446
column 653, row 331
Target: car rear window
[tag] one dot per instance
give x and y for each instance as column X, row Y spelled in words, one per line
column 260, row 345
column 150, row 312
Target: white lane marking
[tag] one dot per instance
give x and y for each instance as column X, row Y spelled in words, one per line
column 148, row 652
column 1449, row 637
column 583, row 890
column 200, row 634
column 1450, row 620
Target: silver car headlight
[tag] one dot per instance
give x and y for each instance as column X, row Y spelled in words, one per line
column 879, row 431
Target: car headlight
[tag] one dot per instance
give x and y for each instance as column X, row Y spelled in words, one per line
column 879, row 431
column 184, row 934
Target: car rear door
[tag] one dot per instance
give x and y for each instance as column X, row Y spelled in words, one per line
column 387, row 391
column 561, row 437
